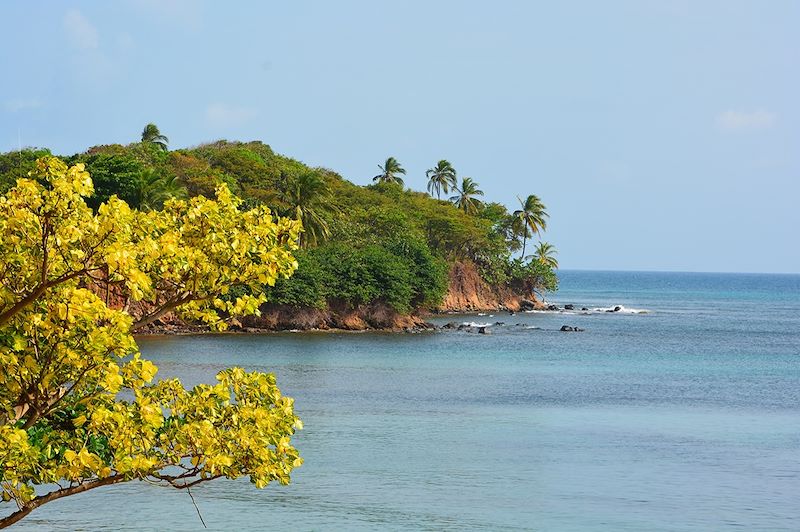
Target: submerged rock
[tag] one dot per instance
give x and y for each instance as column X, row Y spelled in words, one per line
column 568, row 328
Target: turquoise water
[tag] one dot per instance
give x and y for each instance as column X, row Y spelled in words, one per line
column 686, row 417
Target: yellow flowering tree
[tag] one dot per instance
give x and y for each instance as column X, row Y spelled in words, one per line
column 79, row 407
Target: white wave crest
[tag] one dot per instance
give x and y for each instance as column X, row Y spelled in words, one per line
column 475, row 324
column 619, row 309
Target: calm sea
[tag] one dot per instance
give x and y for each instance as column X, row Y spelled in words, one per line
column 680, row 412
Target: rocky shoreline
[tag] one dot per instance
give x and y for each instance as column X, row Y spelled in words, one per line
column 375, row 318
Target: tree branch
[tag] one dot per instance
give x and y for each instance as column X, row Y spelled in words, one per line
column 54, row 495
column 166, row 308
column 37, row 292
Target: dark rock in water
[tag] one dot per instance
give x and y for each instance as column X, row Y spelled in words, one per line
column 566, row 328
column 552, row 307
column 450, row 325
column 526, row 304
column 462, row 327
column 617, row 309
column 584, row 308
column 484, row 330
column 569, row 307
column 519, row 325
column 498, row 323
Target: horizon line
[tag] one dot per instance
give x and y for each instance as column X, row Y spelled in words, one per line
column 607, row 270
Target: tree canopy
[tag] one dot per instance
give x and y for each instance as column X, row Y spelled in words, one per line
column 79, row 406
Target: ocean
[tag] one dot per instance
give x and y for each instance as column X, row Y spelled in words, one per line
column 679, row 412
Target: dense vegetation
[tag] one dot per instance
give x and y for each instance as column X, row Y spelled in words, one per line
column 360, row 244
column 79, row 407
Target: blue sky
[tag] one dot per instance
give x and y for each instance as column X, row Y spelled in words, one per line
column 662, row 135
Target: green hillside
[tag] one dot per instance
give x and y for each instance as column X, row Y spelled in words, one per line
column 379, row 243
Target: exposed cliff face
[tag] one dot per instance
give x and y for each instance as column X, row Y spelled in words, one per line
column 469, row 292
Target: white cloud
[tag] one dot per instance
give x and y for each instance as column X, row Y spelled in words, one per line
column 81, row 33
column 21, row 104
column 226, row 116
column 732, row 120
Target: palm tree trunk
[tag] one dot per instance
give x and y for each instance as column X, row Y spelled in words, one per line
column 524, row 241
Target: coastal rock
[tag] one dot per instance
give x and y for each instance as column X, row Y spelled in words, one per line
column 484, row 330
column 568, row 328
column 552, row 307
column 584, row 308
column 569, row 307
column 527, row 304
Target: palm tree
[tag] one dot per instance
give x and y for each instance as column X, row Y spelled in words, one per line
column 308, row 195
column 441, row 178
column 389, row 172
column 151, row 135
column 151, row 190
column 465, row 199
column 544, row 254
column 533, row 216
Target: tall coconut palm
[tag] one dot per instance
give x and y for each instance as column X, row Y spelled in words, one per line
column 308, row 196
column 151, row 135
column 465, row 199
column 389, row 172
column 544, row 254
column 533, row 215
column 441, row 178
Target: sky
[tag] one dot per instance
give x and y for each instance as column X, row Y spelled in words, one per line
column 661, row 135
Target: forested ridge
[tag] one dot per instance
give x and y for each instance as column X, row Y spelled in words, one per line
column 360, row 245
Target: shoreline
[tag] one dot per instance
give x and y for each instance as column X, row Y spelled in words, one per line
column 420, row 324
